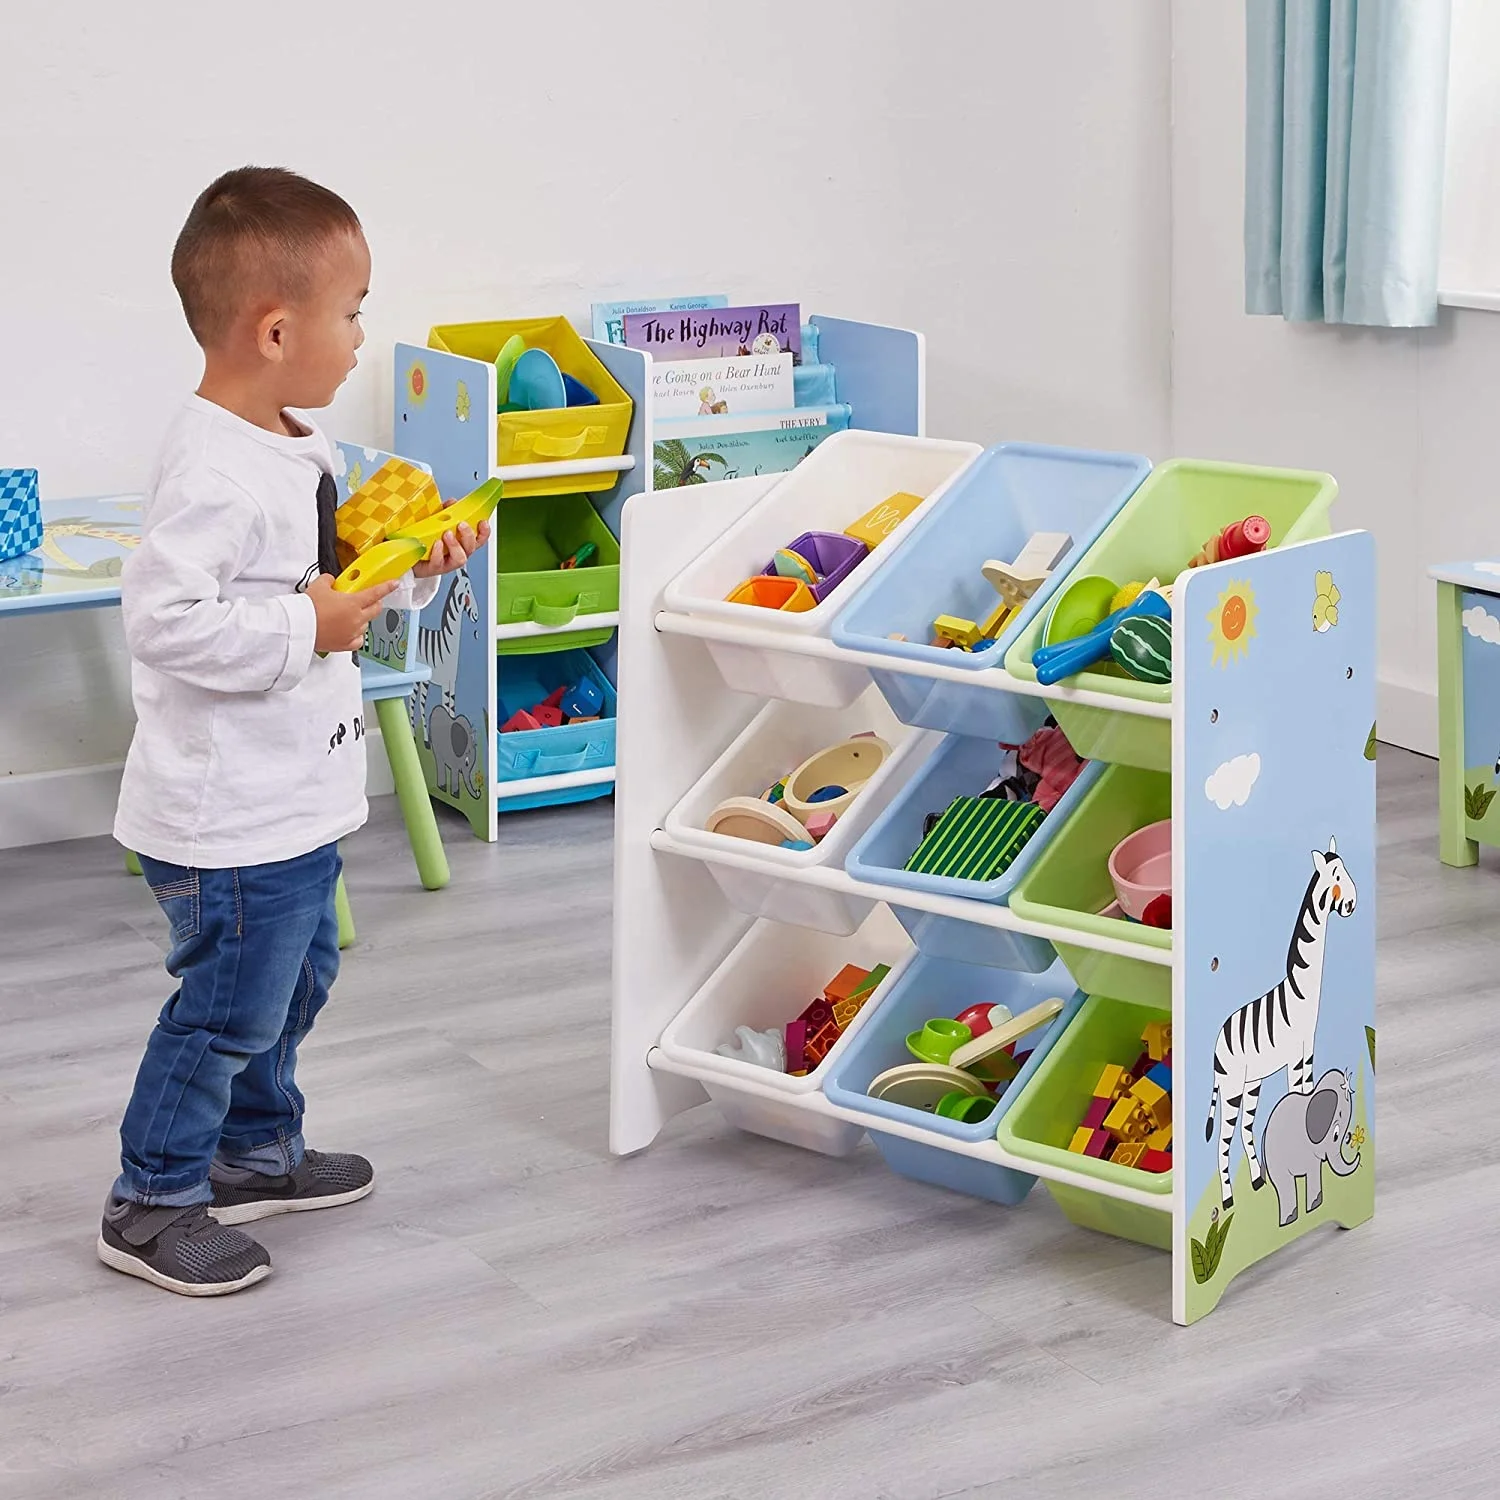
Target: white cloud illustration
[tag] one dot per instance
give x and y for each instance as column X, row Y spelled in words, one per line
column 371, row 454
column 1482, row 625
column 1230, row 785
column 340, row 463
column 1487, row 567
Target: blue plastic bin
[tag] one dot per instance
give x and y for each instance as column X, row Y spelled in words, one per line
column 524, row 753
column 961, row 767
column 940, row 987
column 1008, row 493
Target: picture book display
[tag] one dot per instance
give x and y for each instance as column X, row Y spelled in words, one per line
column 608, row 318
column 702, row 450
column 718, row 332
column 721, row 387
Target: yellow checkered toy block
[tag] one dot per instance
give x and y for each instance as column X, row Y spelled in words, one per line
column 397, row 494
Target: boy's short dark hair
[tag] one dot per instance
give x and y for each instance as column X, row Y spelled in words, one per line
column 253, row 229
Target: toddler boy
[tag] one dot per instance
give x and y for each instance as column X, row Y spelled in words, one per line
column 248, row 762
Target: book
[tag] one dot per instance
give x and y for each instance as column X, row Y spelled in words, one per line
column 714, row 387
column 608, row 318
column 702, row 450
column 760, row 328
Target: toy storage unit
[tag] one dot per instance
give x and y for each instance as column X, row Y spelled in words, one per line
column 1271, row 796
column 567, row 475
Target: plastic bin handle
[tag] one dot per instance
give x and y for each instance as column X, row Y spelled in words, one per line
column 545, row 446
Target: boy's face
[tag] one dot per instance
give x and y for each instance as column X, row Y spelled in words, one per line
column 321, row 332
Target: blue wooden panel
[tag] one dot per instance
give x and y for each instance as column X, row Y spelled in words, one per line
column 628, row 366
column 84, row 545
column 1274, row 923
column 444, row 413
column 881, row 373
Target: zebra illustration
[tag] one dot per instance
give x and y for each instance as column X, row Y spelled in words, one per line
column 438, row 647
column 1276, row 1030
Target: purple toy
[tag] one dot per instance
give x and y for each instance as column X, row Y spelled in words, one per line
column 831, row 555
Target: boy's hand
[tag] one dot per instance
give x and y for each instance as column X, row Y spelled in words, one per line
column 342, row 617
column 452, row 550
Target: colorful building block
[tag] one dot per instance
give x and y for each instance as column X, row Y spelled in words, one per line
column 868, row 984
column 963, row 633
column 1099, row 1145
column 519, row 722
column 820, row 824
column 1158, row 1039
column 796, row 1047
column 818, row 1046
column 1155, row 1161
column 1081, row 1138
column 1128, row 1153
column 1098, row 1108
column 1127, row 1121
column 845, row 1011
column 547, row 716
column 846, row 983
column 1161, row 1140
column 1155, row 1103
column 818, row 1014
column 1113, row 1082
column 881, row 520
column 1161, row 1075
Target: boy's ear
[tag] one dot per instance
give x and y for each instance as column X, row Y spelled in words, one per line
column 270, row 335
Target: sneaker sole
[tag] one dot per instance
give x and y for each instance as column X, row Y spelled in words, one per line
column 269, row 1208
column 119, row 1260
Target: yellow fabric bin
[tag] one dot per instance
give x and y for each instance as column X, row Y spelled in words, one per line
column 560, row 436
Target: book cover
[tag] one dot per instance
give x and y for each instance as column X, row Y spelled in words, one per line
column 714, row 387
column 608, row 318
column 706, row 449
column 760, row 328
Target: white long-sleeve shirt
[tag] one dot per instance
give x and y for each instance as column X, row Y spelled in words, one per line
column 248, row 748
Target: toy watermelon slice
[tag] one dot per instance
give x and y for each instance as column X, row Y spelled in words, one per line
column 1143, row 647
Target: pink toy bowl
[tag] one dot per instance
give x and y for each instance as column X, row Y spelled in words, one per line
column 1141, row 867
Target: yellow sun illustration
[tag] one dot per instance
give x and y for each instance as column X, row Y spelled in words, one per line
column 1233, row 622
column 416, row 383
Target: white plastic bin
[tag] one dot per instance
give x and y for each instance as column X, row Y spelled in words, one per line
column 843, row 478
column 766, row 980
column 777, row 740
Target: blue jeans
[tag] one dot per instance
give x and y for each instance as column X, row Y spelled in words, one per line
column 254, row 952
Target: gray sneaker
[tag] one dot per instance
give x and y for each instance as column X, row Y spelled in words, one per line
column 321, row 1180
column 181, row 1249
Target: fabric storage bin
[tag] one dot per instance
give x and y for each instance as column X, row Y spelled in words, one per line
column 767, row 980
column 1178, row 507
column 845, row 477
column 532, row 535
column 778, row 739
column 1068, row 884
column 1049, row 1104
column 524, row 753
column 961, row 767
column 940, row 987
column 992, row 509
column 559, row 435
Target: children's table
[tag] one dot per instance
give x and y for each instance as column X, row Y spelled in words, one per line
column 1468, row 707
column 84, row 545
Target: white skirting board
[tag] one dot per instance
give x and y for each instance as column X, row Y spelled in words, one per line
column 1408, row 716
column 46, row 807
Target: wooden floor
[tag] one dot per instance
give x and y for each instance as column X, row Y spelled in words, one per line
column 514, row 1313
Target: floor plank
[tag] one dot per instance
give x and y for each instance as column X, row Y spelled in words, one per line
column 515, row 1313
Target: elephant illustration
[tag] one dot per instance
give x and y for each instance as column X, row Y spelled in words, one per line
column 389, row 636
column 1304, row 1131
column 454, row 750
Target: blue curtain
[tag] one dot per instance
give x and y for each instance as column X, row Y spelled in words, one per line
column 1346, row 111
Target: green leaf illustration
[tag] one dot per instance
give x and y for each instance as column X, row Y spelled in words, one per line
column 663, row 478
column 1370, row 1043
column 673, row 453
column 1477, row 802
column 1201, row 1273
column 1370, row 744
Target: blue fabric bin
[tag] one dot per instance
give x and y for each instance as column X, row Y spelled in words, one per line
column 1009, row 493
column 525, row 680
column 961, row 767
column 941, row 987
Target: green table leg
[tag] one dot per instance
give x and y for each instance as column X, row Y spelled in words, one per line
column 346, row 915
column 1455, row 847
column 132, row 862
column 411, row 792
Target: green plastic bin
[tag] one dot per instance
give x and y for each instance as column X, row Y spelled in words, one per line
column 1175, row 511
column 1068, row 884
column 533, row 534
column 1042, row 1118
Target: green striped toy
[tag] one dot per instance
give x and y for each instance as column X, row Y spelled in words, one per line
column 1143, row 646
column 977, row 838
